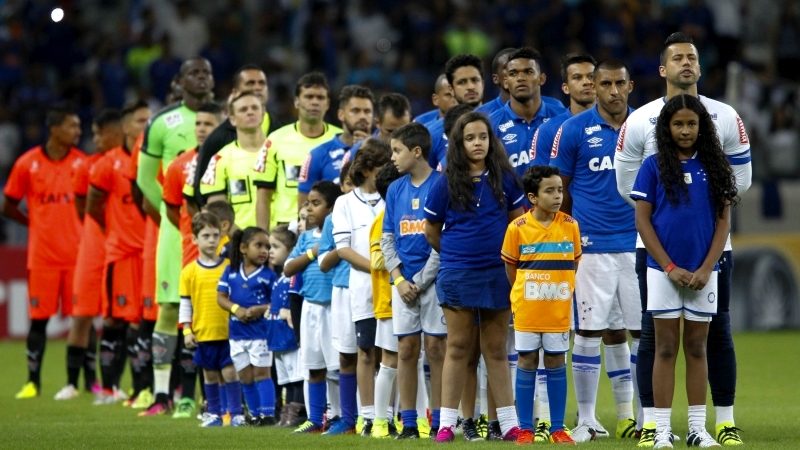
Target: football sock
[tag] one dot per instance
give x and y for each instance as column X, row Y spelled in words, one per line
column 639, row 415
column 35, row 345
column 586, row 373
column 90, row 361
column 507, row 416
column 189, row 374
column 347, row 397
column 132, row 348
column 524, row 391
column 317, row 401
column 542, row 396
column 75, row 357
column 266, row 396
column 557, row 387
column 233, row 392
column 697, row 416
column 144, row 344
column 645, row 359
column 721, row 357
column 213, row 401
column 662, row 418
column 383, row 390
column 618, row 369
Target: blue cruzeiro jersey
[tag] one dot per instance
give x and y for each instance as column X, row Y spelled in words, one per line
column 404, row 217
column 428, row 116
column 517, row 134
column 437, row 157
column 583, row 149
column 341, row 272
column 489, row 107
column 542, row 143
column 323, row 163
column 316, row 284
column 280, row 338
column 246, row 291
column 684, row 230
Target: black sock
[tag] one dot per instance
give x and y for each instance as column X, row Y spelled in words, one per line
column 120, row 354
column 294, row 392
column 144, row 343
column 188, row 372
column 35, row 345
column 132, row 349
column 90, row 361
column 75, row 357
column 111, row 343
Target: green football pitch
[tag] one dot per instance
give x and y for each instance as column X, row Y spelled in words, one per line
column 767, row 409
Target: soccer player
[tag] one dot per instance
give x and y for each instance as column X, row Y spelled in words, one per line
column 466, row 212
column 394, row 111
column 114, row 202
column 683, row 195
column 232, row 172
column 44, row 177
column 413, row 266
column 577, row 70
column 325, row 161
column 680, row 67
column 352, row 216
column 289, row 147
column 205, row 324
column 442, row 98
column 249, row 77
column 316, row 326
column 169, row 132
column 541, row 250
column 87, row 285
column 605, row 293
column 245, row 289
column 498, row 79
column 515, row 123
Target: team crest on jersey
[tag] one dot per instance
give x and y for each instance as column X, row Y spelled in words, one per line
column 621, row 137
column 712, row 297
column 687, row 177
column 173, row 119
column 743, row 139
column 591, row 130
column 556, row 140
column 595, row 142
column 121, row 300
column 415, row 203
column 211, row 171
column 165, row 285
column 503, row 127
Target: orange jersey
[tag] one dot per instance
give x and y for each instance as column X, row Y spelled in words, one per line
column 178, row 171
column 149, row 305
column 88, row 282
column 53, row 222
column 115, row 174
column 546, row 259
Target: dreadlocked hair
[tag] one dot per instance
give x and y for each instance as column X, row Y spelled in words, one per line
column 721, row 181
column 459, row 182
column 239, row 238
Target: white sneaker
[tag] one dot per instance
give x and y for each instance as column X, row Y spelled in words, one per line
column 104, row 399
column 68, row 392
column 663, row 439
column 699, row 437
column 119, row 395
column 599, row 431
column 582, row 433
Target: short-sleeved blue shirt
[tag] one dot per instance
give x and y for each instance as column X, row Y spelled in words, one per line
column 246, row 291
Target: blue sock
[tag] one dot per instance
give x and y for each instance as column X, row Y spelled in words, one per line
column 317, row 400
column 435, row 419
column 409, row 417
column 347, row 395
column 251, row 398
column 557, row 391
column 524, row 392
column 266, row 397
column 212, row 391
column 233, row 392
column 223, row 398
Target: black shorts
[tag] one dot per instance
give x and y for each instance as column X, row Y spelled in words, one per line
column 365, row 333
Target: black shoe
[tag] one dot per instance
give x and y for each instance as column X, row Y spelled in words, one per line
column 434, row 432
column 329, row 422
column 408, row 433
column 470, row 431
column 494, row 433
column 366, row 431
column 392, row 428
column 266, row 421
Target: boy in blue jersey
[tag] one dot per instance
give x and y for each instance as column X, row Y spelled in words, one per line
column 318, row 357
column 577, row 71
column 245, row 289
column 413, row 266
column 519, row 119
column 606, row 296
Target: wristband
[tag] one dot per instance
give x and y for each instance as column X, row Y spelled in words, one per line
column 234, row 308
column 310, row 255
column 398, row 280
column 670, row 267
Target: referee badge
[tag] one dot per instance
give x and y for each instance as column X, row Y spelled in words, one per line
column 414, row 203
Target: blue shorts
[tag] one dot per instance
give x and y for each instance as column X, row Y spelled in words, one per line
column 213, row 355
column 486, row 288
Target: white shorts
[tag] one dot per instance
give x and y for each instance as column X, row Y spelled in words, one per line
column 287, row 366
column 343, row 335
column 607, row 292
column 316, row 351
column 384, row 335
column 667, row 300
column 425, row 316
column 250, row 352
column 532, row 342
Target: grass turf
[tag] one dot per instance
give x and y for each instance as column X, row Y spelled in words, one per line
column 767, row 408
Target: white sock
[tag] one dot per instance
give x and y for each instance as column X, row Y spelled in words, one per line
column 482, row 405
column 448, row 417
column 724, row 414
column 333, row 398
column 586, row 375
column 634, row 380
column 383, row 391
column 662, row 419
column 697, row 416
column 161, row 380
column 618, row 368
column 422, row 393
column 368, row 412
column 513, row 358
column 426, row 373
column 542, row 400
column 507, row 416
column 648, row 416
